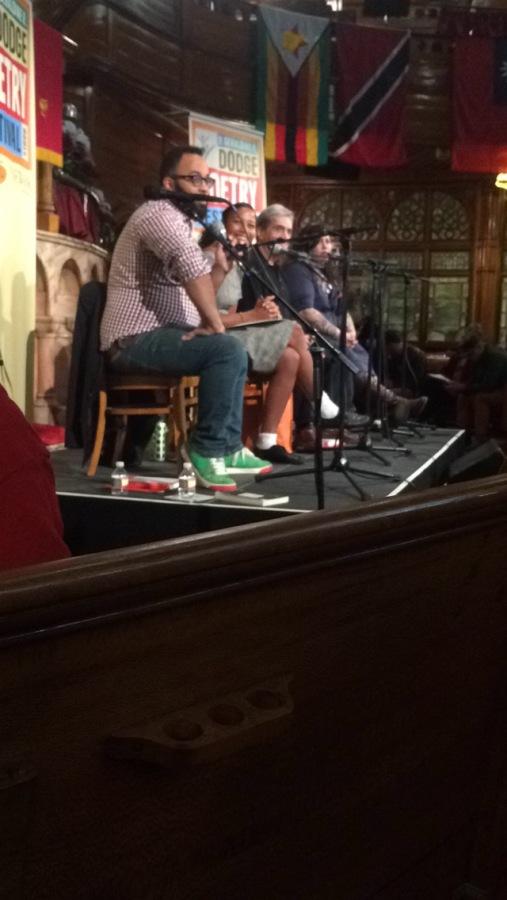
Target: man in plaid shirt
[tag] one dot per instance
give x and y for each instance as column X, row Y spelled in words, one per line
column 161, row 315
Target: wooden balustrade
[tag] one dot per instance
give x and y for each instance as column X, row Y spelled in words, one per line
column 311, row 707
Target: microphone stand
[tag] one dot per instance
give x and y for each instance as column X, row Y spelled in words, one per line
column 413, row 429
column 340, row 462
column 379, row 271
column 317, row 353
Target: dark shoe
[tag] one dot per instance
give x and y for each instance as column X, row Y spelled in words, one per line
column 278, row 454
column 400, row 411
column 304, row 440
column 331, row 437
column 354, row 419
column 417, row 407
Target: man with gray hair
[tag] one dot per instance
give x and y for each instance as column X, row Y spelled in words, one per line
column 275, row 223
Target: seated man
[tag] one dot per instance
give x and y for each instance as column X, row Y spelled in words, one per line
column 31, row 530
column 481, row 388
column 161, row 316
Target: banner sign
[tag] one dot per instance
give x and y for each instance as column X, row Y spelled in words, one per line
column 48, row 46
column 235, row 155
column 15, row 65
column 17, row 195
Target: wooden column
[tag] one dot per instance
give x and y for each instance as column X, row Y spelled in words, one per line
column 488, row 259
column 47, row 219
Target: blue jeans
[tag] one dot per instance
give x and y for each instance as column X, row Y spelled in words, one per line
column 219, row 360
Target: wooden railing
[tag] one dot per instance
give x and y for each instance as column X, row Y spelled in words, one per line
column 306, row 708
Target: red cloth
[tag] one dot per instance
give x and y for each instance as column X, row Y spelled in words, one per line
column 31, row 528
column 79, row 217
column 48, row 47
column 372, row 66
column 50, row 434
column 479, row 120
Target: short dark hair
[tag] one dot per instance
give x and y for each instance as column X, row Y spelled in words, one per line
column 231, row 210
column 392, row 336
column 471, row 337
column 308, row 237
column 172, row 157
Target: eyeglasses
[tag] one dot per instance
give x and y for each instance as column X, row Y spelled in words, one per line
column 197, row 180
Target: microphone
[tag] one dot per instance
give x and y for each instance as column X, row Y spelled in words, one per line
column 343, row 233
column 160, row 193
column 216, row 232
column 278, row 250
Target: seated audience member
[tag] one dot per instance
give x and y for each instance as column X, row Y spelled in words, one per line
column 278, row 348
column 479, row 384
column 161, row 316
column 31, row 530
column 320, row 304
column 406, row 372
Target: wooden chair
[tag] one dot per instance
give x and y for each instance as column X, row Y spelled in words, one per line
column 173, row 397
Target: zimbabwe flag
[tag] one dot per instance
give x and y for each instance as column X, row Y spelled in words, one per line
column 293, row 86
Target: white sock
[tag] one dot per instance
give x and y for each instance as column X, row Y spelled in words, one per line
column 265, row 440
column 328, row 409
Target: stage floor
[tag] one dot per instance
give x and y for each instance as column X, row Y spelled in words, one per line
column 95, row 520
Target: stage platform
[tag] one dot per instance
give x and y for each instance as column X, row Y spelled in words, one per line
column 95, row 520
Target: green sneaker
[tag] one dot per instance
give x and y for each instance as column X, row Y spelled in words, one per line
column 243, row 462
column 211, row 472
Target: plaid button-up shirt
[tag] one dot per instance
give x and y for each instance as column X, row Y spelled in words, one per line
column 155, row 254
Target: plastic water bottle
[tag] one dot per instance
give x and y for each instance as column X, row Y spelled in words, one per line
column 119, row 479
column 187, row 482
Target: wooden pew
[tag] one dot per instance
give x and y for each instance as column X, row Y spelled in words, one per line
column 307, row 708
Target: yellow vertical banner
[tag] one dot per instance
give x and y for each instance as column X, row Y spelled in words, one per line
column 17, row 195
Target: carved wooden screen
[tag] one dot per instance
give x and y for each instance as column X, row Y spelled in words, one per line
column 426, row 233
column 502, row 323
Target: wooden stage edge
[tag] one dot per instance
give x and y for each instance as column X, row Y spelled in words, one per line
column 94, row 520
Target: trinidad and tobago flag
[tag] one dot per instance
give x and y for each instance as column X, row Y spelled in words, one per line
column 372, row 66
column 293, row 86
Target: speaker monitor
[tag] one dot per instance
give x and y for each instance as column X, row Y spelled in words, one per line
column 486, row 459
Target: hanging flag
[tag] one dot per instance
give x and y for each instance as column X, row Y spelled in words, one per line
column 479, row 102
column 48, row 50
column 293, row 86
column 372, row 66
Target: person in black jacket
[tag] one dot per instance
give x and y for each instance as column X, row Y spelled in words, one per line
column 482, row 392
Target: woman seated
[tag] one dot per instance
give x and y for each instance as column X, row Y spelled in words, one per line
column 320, row 303
column 277, row 347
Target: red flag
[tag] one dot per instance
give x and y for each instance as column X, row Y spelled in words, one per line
column 480, row 105
column 372, row 65
column 48, row 92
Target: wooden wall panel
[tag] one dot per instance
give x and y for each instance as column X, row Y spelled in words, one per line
column 214, row 85
column 217, row 34
column 127, row 150
column 163, row 16
column 145, row 57
column 90, row 28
